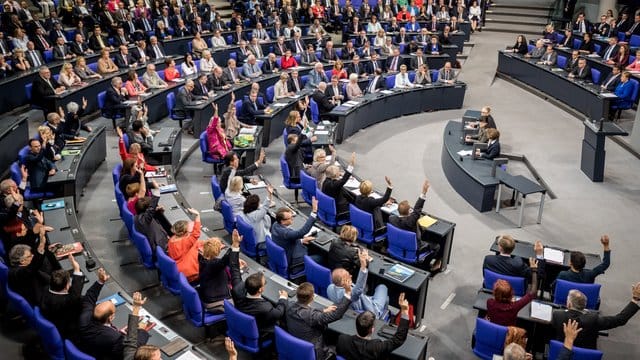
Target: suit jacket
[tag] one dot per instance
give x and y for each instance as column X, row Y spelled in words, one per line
column 152, row 81
column 113, row 100
column 279, row 50
column 248, row 111
column 324, row 105
column 414, row 61
column 268, row 67
column 78, row 49
column 355, row 347
column 199, row 90
column 97, row 339
column 310, row 323
column 389, row 63
column 94, row 44
column 216, row 83
column 380, row 84
column 265, row 313
column 59, row 54
column 614, row 50
column 236, row 38
column 289, row 240
column 372, row 206
column 147, row 224
column 119, row 60
column 585, row 74
column 291, row 86
column 26, row 280
column 41, row 90
column 343, row 254
column 493, row 151
column 237, row 74
column 63, row 310
column 329, row 55
column 226, row 175
column 587, row 25
column 611, row 82
column 316, row 78
column 549, row 58
column 571, row 64
column 151, row 51
column 379, row 64
column 351, row 69
column 35, row 53
column 537, row 52
column 408, row 222
column 624, row 91
column 331, row 93
column 506, row 265
column 294, row 47
column 442, row 75
column 184, row 99
column 591, row 323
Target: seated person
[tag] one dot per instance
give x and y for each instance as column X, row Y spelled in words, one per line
column 150, row 221
column 97, row 336
column 481, row 136
column 134, row 152
column 234, row 195
column 549, row 57
column 38, row 166
column 140, row 135
column 333, row 183
column 592, row 322
column 293, row 241
column 214, row 282
column 493, row 149
column 611, row 82
column 402, row 79
column 247, row 294
column 134, row 86
column 231, row 164
column 365, row 202
column 577, row 272
column 135, row 191
column 624, row 91
column 183, row 246
column 256, row 214
column 251, row 108
column 342, row 283
column 582, row 71
column 362, row 346
column 343, row 252
column 25, row 275
column 507, row 264
column 501, row 309
column 408, row 220
column 320, row 164
column 309, row 323
column 536, row 52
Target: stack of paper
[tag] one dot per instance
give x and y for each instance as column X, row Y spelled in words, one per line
column 321, row 132
column 541, row 311
column 248, row 130
column 426, row 221
column 553, row 255
column 352, row 183
column 259, row 184
column 465, row 152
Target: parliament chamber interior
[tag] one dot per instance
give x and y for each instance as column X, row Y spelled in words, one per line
column 319, row 179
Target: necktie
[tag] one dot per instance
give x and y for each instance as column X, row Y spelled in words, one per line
column 233, row 76
column 372, row 86
column 62, row 50
column 356, row 69
column 404, row 80
column 375, row 65
column 633, row 27
column 607, row 55
column 446, row 75
column 4, row 50
column 394, row 63
column 204, row 89
column 255, row 107
column 44, row 42
column 157, row 51
column 124, row 58
column 100, row 42
column 610, row 80
column 419, row 61
column 34, row 58
column 295, row 82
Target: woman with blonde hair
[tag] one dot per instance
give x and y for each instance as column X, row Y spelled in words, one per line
column 105, row 64
column 371, row 204
column 84, row 71
column 343, row 252
column 67, row 77
column 320, row 164
column 183, row 246
column 234, row 196
column 214, row 280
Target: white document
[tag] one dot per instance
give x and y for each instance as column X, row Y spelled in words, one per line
column 608, row 95
column 390, row 208
column 387, row 92
column 321, row 132
column 352, row 183
column 248, row 130
column 260, row 184
column 189, row 355
column 553, row 255
column 465, row 152
column 376, row 195
column 278, row 105
column 541, row 311
column 313, row 229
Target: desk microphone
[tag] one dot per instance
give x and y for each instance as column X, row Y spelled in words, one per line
column 89, row 262
column 461, row 158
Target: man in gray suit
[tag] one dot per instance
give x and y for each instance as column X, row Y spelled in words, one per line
column 418, row 59
column 231, row 74
column 251, row 68
column 151, row 79
column 184, row 99
column 447, row 74
column 61, row 51
column 537, row 52
column 316, row 76
column 549, row 57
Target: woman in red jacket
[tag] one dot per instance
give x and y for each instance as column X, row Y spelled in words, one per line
column 288, row 61
column 502, row 309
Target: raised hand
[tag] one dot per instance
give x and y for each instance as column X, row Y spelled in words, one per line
column 386, row 178
column 604, row 240
column 425, row 186
column 236, row 239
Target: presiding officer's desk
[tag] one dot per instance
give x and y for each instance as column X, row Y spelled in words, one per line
column 387, row 104
column 584, row 97
column 14, row 135
column 470, row 178
column 167, row 147
column 414, row 287
column 75, row 170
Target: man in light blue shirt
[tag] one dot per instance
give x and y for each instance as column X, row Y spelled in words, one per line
column 251, row 68
column 343, row 286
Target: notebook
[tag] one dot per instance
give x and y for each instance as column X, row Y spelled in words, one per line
column 541, row 311
column 168, row 189
column 399, row 272
column 553, row 255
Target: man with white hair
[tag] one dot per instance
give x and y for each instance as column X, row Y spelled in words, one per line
column 251, row 68
column 317, row 76
column 151, row 79
column 319, row 96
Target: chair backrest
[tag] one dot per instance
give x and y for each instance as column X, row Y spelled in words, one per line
column 315, row 112
column 518, row 284
column 216, row 190
column 530, row 48
column 636, row 87
column 561, row 61
column 242, row 328
column 142, row 244
column 363, row 221
column 93, row 66
column 171, row 102
column 318, row 275
column 290, row 347
column 577, row 43
column 72, row 352
column 634, row 41
column 21, row 305
column 125, row 139
column 595, row 76
column 191, row 304
column 578, row 353
column 391, row 81
column 28, row 89
column 326, row 208
column 227, row 216
column 270, row 93
column 277, row 258
column 309, row 186
column 49, row 335
column 161, row 74
column 597, row 47
column 204, row 147
column 16, row 174
column 284, row 169
column 102, row 96
column 591, row 291
column 285, row 134
column 631, row 59
column 402, row 244
column 115, row 173
column 169, row 274
column 248, row 244
column 489, row 339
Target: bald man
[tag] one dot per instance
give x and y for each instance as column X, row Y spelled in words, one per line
column 97, row 336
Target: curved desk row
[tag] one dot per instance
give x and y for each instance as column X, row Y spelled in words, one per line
column 75, row 168
column 14, row 135
column 387, row 104
column 470, row 178
column 584, row 97
column 174, row 205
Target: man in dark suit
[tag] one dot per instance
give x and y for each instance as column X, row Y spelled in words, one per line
column 582, row 71
column 121, row 38
column 61, row 51
column 361, row 346
column 612, row 81
column 79, row 47
column 309, row 57
column 25, row 276
column 582, row 25
column 408, row 220
column 377, row 83
column 62, row 303
column 33, row 55
column 375, row 64
column 247, row 294
column 216, row 81
column 151, row 222
column 97, row 41
column 334, row 90
column 44, row 86
column 296, row 44
column 270, row 65
column 612, row 49
column 293, row 241
column 155, row 50
column 201, row 89
column 42, row 44
column 334, row 182
column 199, row 26
column 418, row 59
column 115, row 97
column 295, row 83
column 394, row 61
column 38, row 166
column 329, row 53
column 592, row 322
column 309, row 323
column 186, row 98
column 250, row 109
column 97, row 336
column 123, row 59
column 231, row 164
column 319, row 96
column 143, row 24
column 356, row 67
column 507, row 264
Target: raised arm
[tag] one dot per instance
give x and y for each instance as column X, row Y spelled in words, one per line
column 606, row 257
